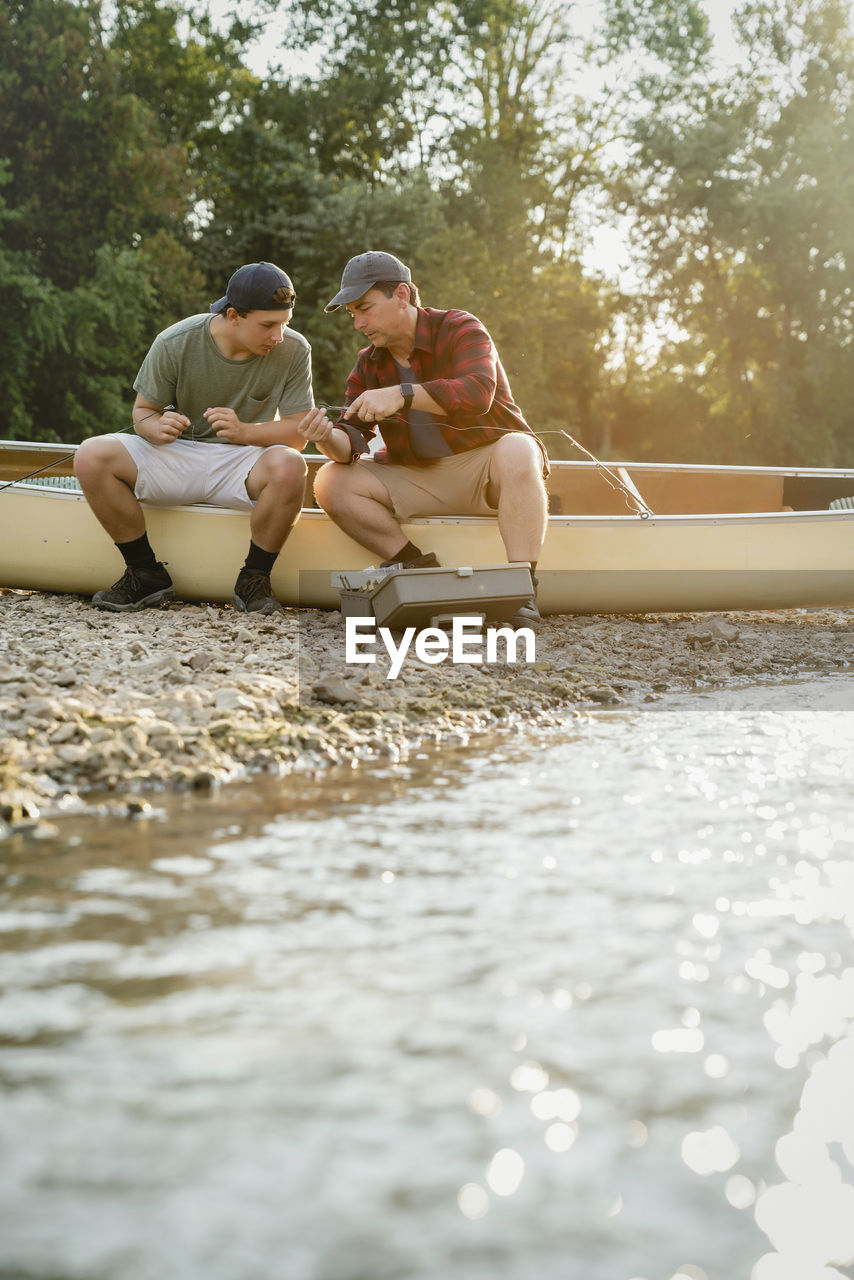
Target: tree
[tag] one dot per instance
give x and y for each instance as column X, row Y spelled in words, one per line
column 78, row 144
column 381, row 83
column 92, row 241
column 740, row 188
column 189, row 73
column 27, row 297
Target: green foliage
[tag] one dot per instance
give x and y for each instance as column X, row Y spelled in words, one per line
column 741, row 201
column 31, row 324
column 94, row 248
column 186, row 81
column 673, row 33
column 67, row 351
column 107, row 312
column 482, row 142
column 379, row 82
column 78, row 145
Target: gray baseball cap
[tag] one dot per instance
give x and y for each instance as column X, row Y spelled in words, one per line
column 363, row 272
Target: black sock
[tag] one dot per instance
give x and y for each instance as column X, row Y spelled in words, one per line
column 405, row 555
column 259, row 560
column 138, row 553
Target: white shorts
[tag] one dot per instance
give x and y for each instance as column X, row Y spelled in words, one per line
column 190, row 472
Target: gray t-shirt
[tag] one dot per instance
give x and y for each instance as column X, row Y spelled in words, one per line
column 185, row 368
column 424, row 435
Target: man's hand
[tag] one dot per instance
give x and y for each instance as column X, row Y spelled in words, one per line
column 227, row 425
column 376, row 405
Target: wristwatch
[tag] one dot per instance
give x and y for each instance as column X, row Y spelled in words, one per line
column 407, row 391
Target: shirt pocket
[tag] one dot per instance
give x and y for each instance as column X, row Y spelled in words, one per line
column 261, row 406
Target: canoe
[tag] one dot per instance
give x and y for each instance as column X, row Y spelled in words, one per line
column 718, row 538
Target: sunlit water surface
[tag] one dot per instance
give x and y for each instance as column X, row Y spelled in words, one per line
column 576, row 1007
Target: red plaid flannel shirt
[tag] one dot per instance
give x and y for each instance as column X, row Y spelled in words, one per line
column 455, row 361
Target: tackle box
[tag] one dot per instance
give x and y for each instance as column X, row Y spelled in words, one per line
column 400, row 598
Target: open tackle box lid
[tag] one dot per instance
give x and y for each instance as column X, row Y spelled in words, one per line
column 400, row 598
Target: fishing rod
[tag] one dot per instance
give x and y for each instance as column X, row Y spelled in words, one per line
column 613, row 480
column 630, row 496
column 56, row 461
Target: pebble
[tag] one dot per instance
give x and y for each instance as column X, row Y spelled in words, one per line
column 335, row 691
column 64, row 733
column 169, row 697
column 230, row 699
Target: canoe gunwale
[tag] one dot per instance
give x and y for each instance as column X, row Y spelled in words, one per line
column 558, row 521
column 701, row 468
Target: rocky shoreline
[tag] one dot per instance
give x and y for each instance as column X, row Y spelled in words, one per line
column 189, row 696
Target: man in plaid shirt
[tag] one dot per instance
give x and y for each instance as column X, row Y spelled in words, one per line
column 454, row 440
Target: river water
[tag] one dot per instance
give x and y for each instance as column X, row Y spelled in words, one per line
column 574, row 1006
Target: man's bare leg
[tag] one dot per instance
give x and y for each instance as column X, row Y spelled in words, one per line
column 516, row 488
column 360, row 504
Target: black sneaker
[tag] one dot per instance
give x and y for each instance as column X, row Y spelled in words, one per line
column 427, row 561
column 253, row 593
column 136, row 589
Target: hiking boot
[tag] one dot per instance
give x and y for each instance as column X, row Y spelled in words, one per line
column 527, row 615
column 136, row 589
column 253, row 593
column 427, row 561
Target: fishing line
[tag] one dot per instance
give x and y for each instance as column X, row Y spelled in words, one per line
column 637, row 503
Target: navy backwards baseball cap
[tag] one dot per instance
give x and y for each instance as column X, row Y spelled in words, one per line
column 258, row 286
column 363, row 272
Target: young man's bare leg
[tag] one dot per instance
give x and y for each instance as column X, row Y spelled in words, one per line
column 107, row 475
column 276, row 484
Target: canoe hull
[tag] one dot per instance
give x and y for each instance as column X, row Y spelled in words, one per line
column 589, row 564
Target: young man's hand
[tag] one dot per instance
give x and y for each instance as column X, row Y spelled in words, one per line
column 162, row 428
column 317, row 427
column 227, row 425
column 330, row 440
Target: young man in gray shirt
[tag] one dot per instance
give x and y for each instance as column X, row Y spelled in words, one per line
column 219, row 398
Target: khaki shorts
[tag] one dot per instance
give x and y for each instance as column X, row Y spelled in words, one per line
column 452, row 486
column 190, row 472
